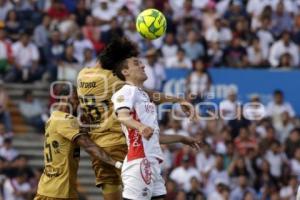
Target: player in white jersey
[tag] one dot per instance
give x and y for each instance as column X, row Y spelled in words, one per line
column 141, row 173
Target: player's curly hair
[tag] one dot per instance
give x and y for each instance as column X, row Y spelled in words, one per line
column 116, row 52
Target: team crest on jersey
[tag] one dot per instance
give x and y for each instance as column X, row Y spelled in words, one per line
column 55, row 146
column 146, row 171
column 120, row 98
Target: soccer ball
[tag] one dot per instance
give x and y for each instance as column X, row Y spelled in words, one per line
column 151, row 24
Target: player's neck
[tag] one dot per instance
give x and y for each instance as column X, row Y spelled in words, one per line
column 135, row 82
column 63, row 108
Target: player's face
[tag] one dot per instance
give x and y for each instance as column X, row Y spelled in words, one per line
column 135, row 70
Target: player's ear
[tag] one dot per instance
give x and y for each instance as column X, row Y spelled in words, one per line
column 125, row 72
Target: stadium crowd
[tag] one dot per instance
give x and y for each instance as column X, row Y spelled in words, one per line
column 44, row 41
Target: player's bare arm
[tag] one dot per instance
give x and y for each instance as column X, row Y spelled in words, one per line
column 95, row 152
column 170, row 139
column 125, row 118
column 158, row 98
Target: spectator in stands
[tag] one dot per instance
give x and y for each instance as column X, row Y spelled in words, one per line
column 282, row 46
column 209, row 15
column 104, row 13
column 195, row 192
column 235, row 55
column 92, row 32
column 171, row 188
column 256, row 56
column 215, row 54
column 295, row 164
column 7, row 151
column 289, row 191
column 277, row 107
column 68, row 66
column 5, row 7
column 80, row 44
column 285, row 61
column 268, row 139
column 265, row 36
column 169, row 48
column 68, row 28
column 81, row 12
column 154, row 71
column 26, row 61
column 198, row 82
column 17, row 188
column 13, row 25
column 234, row 13
column 241, row 30
column 41, row 37
column 180, row 60
column 54, row 54
column 6, row 58
column 219, row 33
column 205, row 159
column 32, row 111
column 186, row 10
column 131, row 32
column 58, row 11
column 264, row 176
column 277, row 159
column 192, row 47
column 229, row 106
column 220, row 192
column 244, row 142
column 183, row 174
column 4, row 112
column 218, row 172
column 284, row 129
column 243, row 187
column 296, row 29
column 113, row 31
column 292, row 142
column 281, row 20
column 42, row 32
column 88, row 59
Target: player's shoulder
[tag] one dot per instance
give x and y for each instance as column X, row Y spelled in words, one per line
column 129, row 89
column 61, row 116
column 125, row 91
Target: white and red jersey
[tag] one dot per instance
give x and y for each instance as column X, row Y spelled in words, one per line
column 144, row 111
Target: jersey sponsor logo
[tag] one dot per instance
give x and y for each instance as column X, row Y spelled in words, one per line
column 146, row 171
column 52, row 172
column 55, row 145
column 149, row 108
column 120, row 98
column 87, row 84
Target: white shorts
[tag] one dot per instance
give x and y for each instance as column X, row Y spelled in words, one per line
column 142, row 179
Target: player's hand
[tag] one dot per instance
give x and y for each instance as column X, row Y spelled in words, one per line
column 192, row 142
column 146, row 131
column 188, row 110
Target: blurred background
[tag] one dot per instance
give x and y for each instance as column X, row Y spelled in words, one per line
column 220, row 53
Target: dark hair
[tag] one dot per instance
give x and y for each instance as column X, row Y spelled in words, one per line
column 116, row 52
column 66, row 89
column 278, row 92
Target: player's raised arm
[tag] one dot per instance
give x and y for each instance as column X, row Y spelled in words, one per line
column 170, row 139
column 158, row 98
column 123, row 115
column 94, row 151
